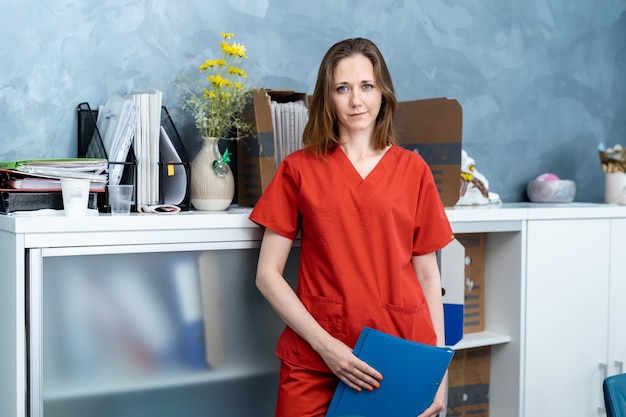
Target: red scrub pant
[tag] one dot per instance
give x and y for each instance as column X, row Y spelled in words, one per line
column 303, row 392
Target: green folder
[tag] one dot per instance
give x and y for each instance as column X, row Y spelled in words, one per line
column 57, row 162
column 95, row 169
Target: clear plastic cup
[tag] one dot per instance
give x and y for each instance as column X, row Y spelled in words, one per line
column 120, row 199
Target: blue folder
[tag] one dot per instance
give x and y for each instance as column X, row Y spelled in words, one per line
column 412, row 373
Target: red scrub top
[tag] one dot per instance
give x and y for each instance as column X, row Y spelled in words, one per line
column 357, row 240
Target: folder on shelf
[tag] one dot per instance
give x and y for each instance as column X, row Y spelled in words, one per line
column 91, row 144
column 12, row 180
column 174, row 179
column 12, row 201
column 412, row 374
column 146, row 145
column 95, row 169
column 116, row 131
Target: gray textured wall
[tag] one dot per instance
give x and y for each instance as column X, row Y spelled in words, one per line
column 540, row 81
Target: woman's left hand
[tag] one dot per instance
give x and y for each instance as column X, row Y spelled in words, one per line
column 438, row 402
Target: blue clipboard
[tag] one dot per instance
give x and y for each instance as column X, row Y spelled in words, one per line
column 412, row 374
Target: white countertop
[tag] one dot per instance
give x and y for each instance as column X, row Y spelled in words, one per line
column 237, row 217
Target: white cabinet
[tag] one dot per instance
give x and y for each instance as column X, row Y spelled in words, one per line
column 93, row 324
column 554, row 284
column 574, row 308
column 617, row 293
column 12, row 328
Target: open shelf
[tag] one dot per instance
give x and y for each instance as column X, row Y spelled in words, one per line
column 479, row 339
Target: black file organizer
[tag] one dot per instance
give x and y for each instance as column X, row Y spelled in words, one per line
column 90, row 145
column 168, row 124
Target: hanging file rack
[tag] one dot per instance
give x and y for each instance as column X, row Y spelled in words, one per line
column 90, row 144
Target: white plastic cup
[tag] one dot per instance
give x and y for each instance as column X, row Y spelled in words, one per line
column 120, row 199
column 75, row 193
column 615, row 188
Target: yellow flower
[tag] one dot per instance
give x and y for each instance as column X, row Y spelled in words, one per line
column 208, row 94
column 219, row 81
column 217, row 99
column 235, row 49
column 237, row 71
column 239, row 50
column 210, row 63
column 225, row 47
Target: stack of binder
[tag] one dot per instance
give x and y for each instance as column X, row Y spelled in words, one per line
column 28, row 185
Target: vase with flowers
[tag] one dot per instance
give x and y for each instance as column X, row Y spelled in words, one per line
column 216, row 101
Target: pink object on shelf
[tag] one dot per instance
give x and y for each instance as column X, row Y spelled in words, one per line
column 547, row 177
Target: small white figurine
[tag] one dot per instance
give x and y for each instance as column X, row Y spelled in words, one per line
column 474, row 185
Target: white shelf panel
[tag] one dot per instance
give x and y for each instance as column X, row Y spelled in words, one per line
column 479, row 339
column 486, row 226
column 170, row 379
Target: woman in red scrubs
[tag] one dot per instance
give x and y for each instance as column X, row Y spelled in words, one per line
column 370, row 220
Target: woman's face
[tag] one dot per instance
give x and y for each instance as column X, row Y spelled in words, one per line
column 356, row 97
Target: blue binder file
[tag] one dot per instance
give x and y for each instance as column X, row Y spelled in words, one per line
column 411, row 373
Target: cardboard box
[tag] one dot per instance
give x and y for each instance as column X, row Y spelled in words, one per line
column 451, row 260
column 255, row 154
column 434, row 129
column 431, row 127
column 474, row 314
column 468, row 383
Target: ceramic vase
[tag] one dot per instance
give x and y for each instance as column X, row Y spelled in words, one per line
column 212, row 181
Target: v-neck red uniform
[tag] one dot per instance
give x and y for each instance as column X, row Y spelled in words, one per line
column 357, row 240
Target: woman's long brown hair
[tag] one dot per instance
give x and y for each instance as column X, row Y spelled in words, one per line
column 321, row 132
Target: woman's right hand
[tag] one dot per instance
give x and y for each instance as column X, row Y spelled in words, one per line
column 354, row 372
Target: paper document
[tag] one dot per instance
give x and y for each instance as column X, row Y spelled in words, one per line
column 117, row 121
column 288, row 121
